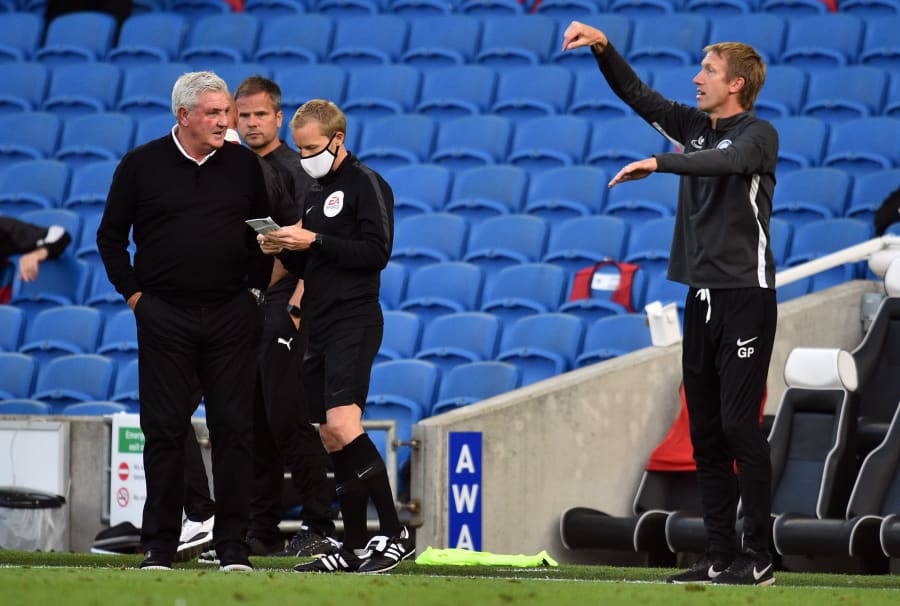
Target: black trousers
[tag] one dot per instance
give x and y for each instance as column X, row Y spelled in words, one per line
column 728, row 339
column 282, row 433
column 179, row 348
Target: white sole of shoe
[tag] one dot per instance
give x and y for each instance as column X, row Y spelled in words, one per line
column 236, row 568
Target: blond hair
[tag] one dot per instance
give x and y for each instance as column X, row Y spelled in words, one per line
column 742, row 61
column 329, row 116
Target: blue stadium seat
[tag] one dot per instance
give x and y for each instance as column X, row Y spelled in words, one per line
column 147, row 90
column 869, row 191
column 77, row 37
column 62, row 281
column 24, row 85
column 76, row 378
column 457, row 338
column 794, row 9
column 614, row 336
column 341, row 9
column 781, row 233
column 125, row 390
column 420, row 9
column 491, row 8
column 62, row 330
column 506, row 240
column 677, row 83
column 720, row 8
column 517, row 41
column 23, row 406
column 402, row 333
column 368, row 40
column 639, row 201
column 487, row 191
column 194, row 10
column 822, row 41
column 274, row 9
column 27, row 136
column 532, row 92
column 567, row 192
column 668, row 40
column 221, row 39
column 661, row 289
column 549, row 142
column 650, row 243
column 148, row 38
column 542, row 346
column 418, row 188
column 22, row 34
column 811, row 194
column 32, row 185
column 429, row 238
column 880, row 46
column 472, row 141
column 93, row 409
column 801, row 142
column 289, row 41
column 394, row 278
column 469, row 383
column 892, row 103
column 381, row 90
column 871, row 8
column 570, row 9
column 304, row 82
column 94, row 138
column 864, row 145
column 617, row 28
column 605, row 281
column 819, row 238
column 235, row 73
column 584, row 241
column 12, row 323
column 441, row 288
column 783, row 93
column 525, row 289
column 82, row 88
column 17, row 372
column 402, row 390
column 396, row 140
column 640, row 9
column 68, row 220
column 844, row 93
column 119, row 340
column 592, row 98
column 153, row 126
column 442, row 41
column 89, row 187
column 763, row 31
column 455, row 92
column 617, row 142
column 101, row 294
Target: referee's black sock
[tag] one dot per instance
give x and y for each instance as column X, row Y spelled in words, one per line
column 352, row 496
column 369, row 467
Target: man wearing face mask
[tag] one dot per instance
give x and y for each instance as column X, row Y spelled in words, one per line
column 340, row 248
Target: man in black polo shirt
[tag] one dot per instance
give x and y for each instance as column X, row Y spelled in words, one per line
column 186, row 197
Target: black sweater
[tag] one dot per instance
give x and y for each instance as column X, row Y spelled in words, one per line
column 721, row 237
column 353, row 209
column 193, row 247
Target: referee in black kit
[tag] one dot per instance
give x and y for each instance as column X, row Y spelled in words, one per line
column 186, row 196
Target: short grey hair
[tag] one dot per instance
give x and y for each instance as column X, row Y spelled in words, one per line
column 189, row 86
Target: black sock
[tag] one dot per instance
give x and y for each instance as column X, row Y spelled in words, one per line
column 369, row 468
column 352, row 496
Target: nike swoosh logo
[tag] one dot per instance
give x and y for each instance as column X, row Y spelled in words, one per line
column 713, row 573
column 308, row 209
column 362, row 474
column 757, row 575
column 742, row 343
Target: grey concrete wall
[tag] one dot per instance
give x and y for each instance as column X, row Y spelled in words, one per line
column 582, row 439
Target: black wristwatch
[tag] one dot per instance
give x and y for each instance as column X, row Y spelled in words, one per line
column 317, row 242
column 294, row 310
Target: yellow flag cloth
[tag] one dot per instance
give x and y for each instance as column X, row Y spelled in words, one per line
column 464, row 557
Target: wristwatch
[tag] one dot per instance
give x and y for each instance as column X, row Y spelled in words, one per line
column 294, row 310
column 317, row 242
column 259, row 295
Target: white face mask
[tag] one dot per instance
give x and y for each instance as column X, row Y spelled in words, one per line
column 319, row 165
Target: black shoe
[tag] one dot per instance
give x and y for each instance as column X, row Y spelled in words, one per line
column 749, row 568
column 339, row 560
column 233, row 557
column 155, row 560
column 388, row 552
column 307, row 543
column 705, row 571
column 258, row 547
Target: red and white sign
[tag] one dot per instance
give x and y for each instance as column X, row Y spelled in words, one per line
column 123, row 471
column 123, row 497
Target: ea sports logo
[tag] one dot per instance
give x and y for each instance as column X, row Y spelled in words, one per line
column 334, row 204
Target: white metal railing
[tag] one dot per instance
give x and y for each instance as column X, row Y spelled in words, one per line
column 858, row 252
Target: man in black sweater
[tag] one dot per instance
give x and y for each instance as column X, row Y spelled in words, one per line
column 34, row 243
column 340, row 248
column 721, row 250
column 196, row 268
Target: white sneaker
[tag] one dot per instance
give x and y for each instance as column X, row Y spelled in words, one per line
column 195, row 537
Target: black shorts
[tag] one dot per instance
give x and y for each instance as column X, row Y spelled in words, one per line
column 336, row 370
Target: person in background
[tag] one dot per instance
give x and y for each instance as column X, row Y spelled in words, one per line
column 194, row 286
column 340, row 248
column 34, row 243
column 721, row 250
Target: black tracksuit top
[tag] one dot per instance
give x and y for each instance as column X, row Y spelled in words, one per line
column 721, row 237
column 193, row 247
column 352, row 208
